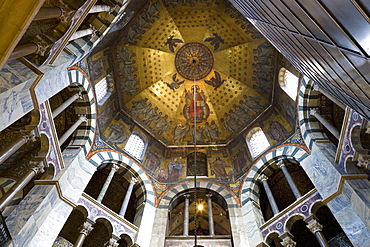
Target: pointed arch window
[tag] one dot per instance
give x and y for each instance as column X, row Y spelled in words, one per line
column 288, row 82
column 103, row 89
column 257, row 141
column 136, row 145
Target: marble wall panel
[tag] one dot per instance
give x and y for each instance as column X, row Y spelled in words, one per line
column 352, row 225
column 251, row 224
column 146, row 227
column 239, row 230
column 159, row 228
column 15, row 103
column 75, row 176
column 52, row 82
column 51, row 225
column 322, row 173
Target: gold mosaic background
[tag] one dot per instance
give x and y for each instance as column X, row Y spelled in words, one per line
column 154, row 68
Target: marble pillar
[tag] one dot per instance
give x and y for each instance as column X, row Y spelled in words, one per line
column 67, row 103
column 36, row 167
column 186, row 216
column 72, row 129
column 326, row 123
column 210, row 215
column 85, row 230
column 122, row 212
column 39, row 46
column 316, row 228
column 8, row 151
column 82, row 33
column 329, row 96
column 100, row 8
column 263, row 178
column 48, row 13
column 107, row 182
column 289, row 179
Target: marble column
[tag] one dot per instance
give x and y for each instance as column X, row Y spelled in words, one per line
column 48, row 13
column 111, row 243
column 329, row 96
column 82, row 33
column 107, row 182
column 72, row 129
column 325, row 122
column 85, row 230
column 263, row 178
column 100, row 8
column 23, row 50
column 316, row 228
column 210, row 215
column 287, row 240
column 36, row 167
column 38, row 46
column 186, row 216
column 67, row 103
column 122, row 212
column 8, row 151
column 289, row 179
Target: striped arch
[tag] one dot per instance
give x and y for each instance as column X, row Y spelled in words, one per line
column 250, row 189
column 223, row 191
column 85, row 134
column 105, row 156
column 82, row 46
column 310, row 127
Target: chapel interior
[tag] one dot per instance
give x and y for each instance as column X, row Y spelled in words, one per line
column 181, row 123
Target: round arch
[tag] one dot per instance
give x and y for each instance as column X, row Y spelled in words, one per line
column 250, row 187
column 105, row 156
column 83, row 136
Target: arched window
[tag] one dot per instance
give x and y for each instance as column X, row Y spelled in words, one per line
column 257, row 141
column 136, row 145
column 103, row 89
column 288, row 82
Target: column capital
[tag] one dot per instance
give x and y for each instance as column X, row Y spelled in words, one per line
column 43, row 46
column 314, row 226
column 316, row 87
column 262, row 177
column 280, row 163
column 287, row 238
column 288, row 242
column 133, row 180
column 363, row 162
column 37, row 167
column 83, row 118
column 313, row 111
column 67, row 12
column 187, row 196
column 209, row 196
column 115, row 167
column 111, row 243
column 86, row 228
column 29, row 137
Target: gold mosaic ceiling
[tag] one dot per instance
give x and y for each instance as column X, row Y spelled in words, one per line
column 168, row 45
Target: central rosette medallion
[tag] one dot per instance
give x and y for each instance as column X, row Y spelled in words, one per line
column 194, row 61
